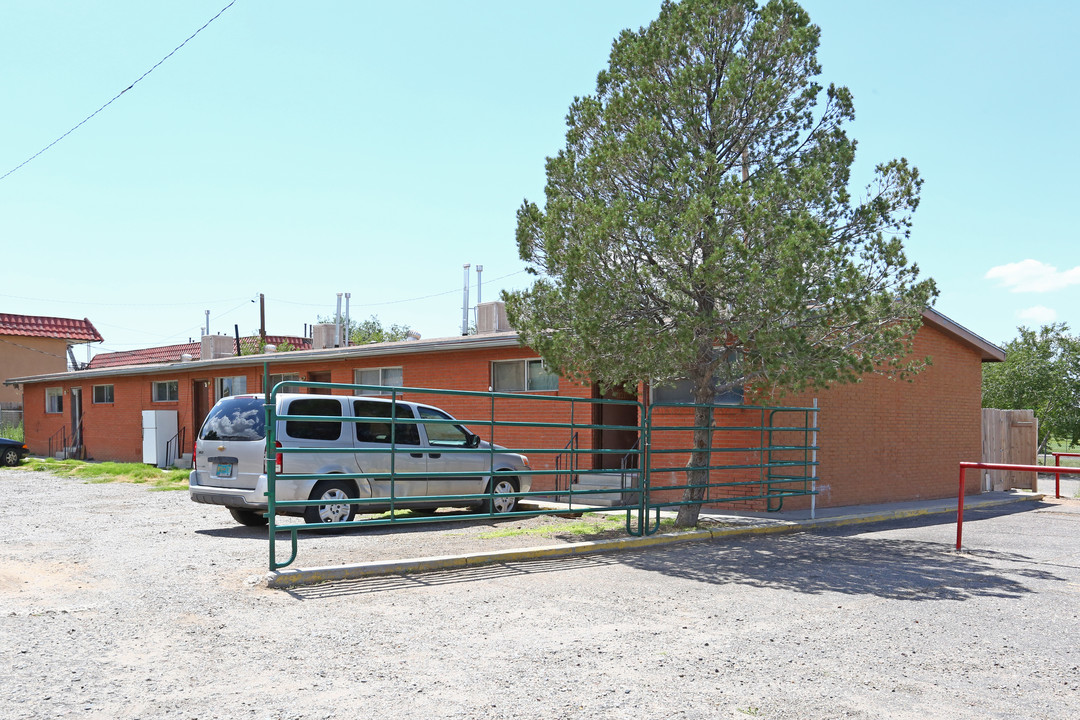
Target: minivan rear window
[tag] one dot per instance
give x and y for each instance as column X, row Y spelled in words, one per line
column 235, row 418
column 311, row 429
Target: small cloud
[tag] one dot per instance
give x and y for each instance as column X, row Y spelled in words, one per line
column 1038, row 315
column 1033, row 276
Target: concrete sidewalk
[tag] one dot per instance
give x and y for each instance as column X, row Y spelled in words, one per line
column 716, row 525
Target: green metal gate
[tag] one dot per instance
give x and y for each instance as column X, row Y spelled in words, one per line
column 750, row 458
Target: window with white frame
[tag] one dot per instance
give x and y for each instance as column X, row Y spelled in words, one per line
column 229, row 386
column 283, row 377
column 103, row 394
column 166, row 391
column 387, row 377
column 54, row 400
column 522, row 376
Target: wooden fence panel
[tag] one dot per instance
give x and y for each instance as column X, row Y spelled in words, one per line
column 1009, row 436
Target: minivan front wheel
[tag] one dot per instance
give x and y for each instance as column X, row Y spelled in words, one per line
column 334, row 493
column 502, row 502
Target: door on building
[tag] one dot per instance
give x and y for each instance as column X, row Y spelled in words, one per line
column 613, row 439
column 76, row 421
column 318, row 377
column 200, row 400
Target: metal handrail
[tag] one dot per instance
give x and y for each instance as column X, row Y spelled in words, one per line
column 173, row 447
column 570, row 451
column 62, row 432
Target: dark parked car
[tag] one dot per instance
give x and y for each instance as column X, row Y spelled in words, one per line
column 12, row 451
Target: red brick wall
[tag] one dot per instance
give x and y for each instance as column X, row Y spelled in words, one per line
column 885, row 441
column 881, row 440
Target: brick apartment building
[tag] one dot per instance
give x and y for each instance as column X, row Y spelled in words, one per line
column 881, row 440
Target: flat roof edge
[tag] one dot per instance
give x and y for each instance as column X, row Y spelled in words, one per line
column 466, row 342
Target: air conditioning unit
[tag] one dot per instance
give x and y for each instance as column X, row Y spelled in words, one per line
column 491, row 317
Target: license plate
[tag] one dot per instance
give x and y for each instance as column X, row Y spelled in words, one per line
column 224, row 470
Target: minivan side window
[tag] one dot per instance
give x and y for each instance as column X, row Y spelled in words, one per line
column 442, row 433
column 313, row 429
column 379, row 432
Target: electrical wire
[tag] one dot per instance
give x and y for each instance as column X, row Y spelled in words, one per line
column 117, row 96
column 102, row 304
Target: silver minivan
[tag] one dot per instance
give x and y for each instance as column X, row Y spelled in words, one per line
column 230, row 462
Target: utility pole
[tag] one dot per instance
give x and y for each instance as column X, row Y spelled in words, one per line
column 262, row 319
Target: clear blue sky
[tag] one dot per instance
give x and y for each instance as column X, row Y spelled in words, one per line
column 304, row 149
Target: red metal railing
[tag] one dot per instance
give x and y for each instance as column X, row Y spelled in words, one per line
column 1057, row 463
column 1057, row 469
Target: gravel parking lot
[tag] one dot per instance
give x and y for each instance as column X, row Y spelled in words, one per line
column 116, row 602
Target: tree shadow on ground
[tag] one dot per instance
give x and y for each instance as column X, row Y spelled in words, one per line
column 857, row 560
column 849, row 564
column 852, row 561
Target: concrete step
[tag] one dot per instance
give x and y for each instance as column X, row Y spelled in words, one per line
column 615, row 481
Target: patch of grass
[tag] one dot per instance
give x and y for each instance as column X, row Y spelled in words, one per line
column 106, row 472
column 585, row 527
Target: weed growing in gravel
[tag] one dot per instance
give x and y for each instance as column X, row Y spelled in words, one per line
column 105, row 472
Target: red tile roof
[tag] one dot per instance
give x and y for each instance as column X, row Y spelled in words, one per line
column 49, row 327
column 173, row 353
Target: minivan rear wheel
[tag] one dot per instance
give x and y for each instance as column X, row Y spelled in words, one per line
column 497, row 504
column 334, row 492
column 248, row 517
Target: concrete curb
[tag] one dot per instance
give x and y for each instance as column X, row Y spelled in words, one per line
column 310, row 576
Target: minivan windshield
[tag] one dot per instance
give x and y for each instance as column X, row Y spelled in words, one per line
column 235, row 418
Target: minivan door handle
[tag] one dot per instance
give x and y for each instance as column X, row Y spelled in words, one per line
column 416, row 455
column 434, row 456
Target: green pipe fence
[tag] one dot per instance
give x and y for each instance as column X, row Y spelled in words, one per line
column 562, row 437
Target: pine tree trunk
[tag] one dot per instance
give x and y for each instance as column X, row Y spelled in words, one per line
column 697, row 475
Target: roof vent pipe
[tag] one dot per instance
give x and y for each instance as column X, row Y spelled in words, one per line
column 412, row 336
column 348, row 324
column 337, row 323
column 186, row 357
column 465, row 304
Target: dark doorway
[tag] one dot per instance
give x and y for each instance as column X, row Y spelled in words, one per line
column 76, row 443
column 200, row 394
column 318, row 377
column 613, row 439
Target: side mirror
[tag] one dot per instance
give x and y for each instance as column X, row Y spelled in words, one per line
column 473, row 440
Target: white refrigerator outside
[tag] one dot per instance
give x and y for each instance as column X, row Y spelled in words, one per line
column 158, row 428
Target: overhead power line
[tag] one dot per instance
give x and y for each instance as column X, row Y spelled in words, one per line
column 117, row 96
